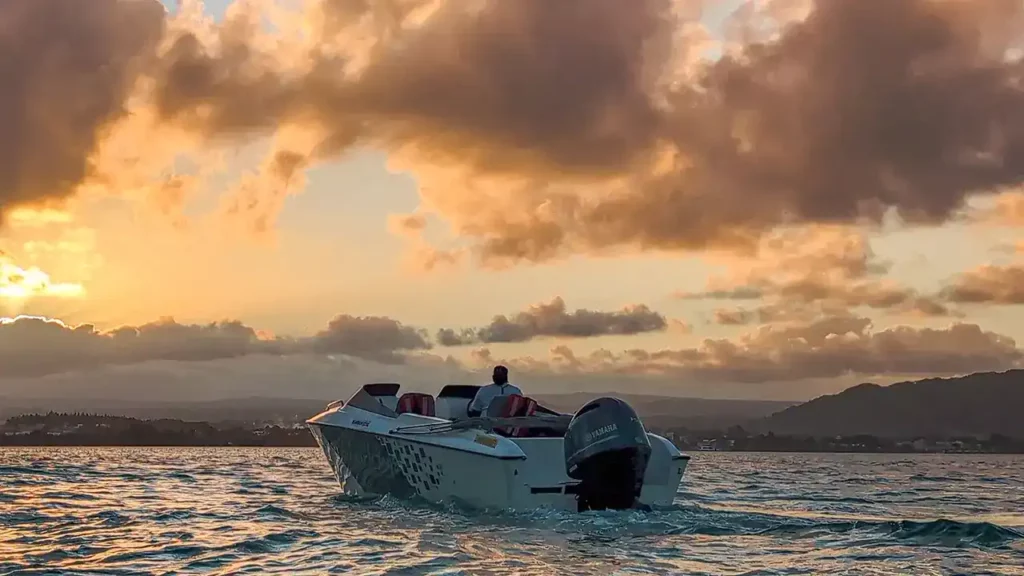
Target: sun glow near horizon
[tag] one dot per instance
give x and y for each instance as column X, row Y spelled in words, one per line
column 17, row 283
column 21, row 317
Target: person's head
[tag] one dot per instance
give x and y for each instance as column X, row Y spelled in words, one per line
column 500, row 375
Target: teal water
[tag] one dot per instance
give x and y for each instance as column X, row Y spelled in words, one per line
column 279, row 511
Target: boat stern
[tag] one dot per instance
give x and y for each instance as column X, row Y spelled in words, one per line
column 664, row 473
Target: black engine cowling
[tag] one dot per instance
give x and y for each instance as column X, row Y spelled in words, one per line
column 607, row 449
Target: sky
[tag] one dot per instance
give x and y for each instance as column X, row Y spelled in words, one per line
column 737, row 199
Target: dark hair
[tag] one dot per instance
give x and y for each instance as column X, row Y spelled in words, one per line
column 500, row 374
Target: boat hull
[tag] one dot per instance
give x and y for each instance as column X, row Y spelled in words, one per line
column 470, row 467
column 371, row 464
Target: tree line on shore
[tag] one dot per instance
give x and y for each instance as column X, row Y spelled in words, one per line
column 79, row 429
column 737, row 439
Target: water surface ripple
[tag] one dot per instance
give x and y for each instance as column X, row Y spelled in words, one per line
column 279, row 511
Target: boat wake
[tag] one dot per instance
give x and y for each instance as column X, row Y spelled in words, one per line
column 701, row 520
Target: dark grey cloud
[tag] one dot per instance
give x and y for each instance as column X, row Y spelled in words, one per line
column 67, row 68
column 370, row 337
column 31, row 346
column 554, row 320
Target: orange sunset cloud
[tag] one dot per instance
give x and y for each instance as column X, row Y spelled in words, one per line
column 808, row 191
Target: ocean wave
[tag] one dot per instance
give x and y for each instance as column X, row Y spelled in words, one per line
column 694, row 519
column 272, row 511
column 941, row 532
column 144, row 512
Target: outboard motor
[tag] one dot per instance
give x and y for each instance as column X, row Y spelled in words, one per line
column 606, row 449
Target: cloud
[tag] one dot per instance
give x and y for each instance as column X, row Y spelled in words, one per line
column 421, row 256
column 824, row 349
column 68, row 70
column 1006, row 210
column 988, row 285
column 260, row 195
column 375, row 338
column 742, row 316
column 553, row 320
column 783, row 311
column 536, row 129
column 680, row 326
column 832, row 122
column 808, row 272
column 33, row 346
column 169, row 361
column 526, row 84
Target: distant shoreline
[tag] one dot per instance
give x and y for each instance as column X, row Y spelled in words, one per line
column 266, row 438
column 90, row 430
column 72, row 443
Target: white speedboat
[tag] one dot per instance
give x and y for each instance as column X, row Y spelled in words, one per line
column 519, row 456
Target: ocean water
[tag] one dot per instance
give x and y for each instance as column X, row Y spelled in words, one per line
column 279, row 511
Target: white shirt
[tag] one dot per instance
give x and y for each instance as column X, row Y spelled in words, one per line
column 486, row 394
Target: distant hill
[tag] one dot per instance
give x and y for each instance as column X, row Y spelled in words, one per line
column 668, row 411
column 978, row 404
column 657, row 411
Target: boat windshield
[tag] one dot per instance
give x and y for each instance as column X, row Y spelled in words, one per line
column 364, row 401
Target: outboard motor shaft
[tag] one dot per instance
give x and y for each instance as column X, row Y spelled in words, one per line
column 607, row 449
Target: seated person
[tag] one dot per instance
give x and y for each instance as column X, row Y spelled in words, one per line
column 499, row 387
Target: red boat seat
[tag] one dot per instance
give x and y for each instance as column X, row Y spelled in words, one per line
column 517, row 406
column 416, row 403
